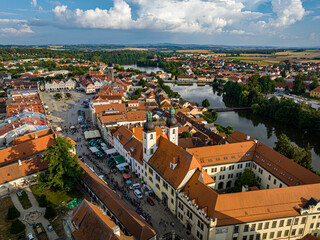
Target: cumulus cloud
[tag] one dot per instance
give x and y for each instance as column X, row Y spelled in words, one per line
column 33, row 3
column 22, row 29
column 165, row 15
column 207, row 16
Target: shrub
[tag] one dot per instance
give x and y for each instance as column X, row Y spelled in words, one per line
column 13, row 213
column 50, row 212
column 43, row 201
column 17, row 227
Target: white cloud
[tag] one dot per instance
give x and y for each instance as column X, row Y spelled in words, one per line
column 8, row 21
column 16, row 31
column 33, row 3
column 316, row 18
column 207, row 16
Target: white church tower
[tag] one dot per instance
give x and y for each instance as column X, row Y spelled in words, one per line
column 172, row 127
column 149, row 138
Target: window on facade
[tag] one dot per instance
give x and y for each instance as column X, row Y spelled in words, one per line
column 318, row 225
column 239, row 166
column 280, row 186
column 286, row 233
column 150, row 178
column 172, row 200
column 271, row 235
column 296, row 221
column 157, row 186
column 157, row 177
column 293, row 232
column 259, row 226
column 303, row 220
column 222, row 169
column 300, row 231
column 213, row 170
column 248, row 165
column 150, row 171
column 266, row 225
column 145, row 150
column 199, row 235
column 269, row 178
column 200, row 225
column 267, row 186
column 274, row 181
column 244, row 237
column 246, row 228
column 151, row 151
column 251, row 237
column 172, row 191
column 264, row 236
column 236, row 229
column 311, row 225
column 231, row 167
column 221, row 177
column 281, row 223
column 180, row 205
column 189, row 214
column 289, row 222
column 165, row 185
column 253, row 227
column 274, row 224
column 279, row 234
column 151, row 136
column 230, row 175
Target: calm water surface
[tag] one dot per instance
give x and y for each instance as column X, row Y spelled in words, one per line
column 264, row 129
column 145, row 69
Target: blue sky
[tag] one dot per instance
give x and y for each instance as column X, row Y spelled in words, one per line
column 287, row 23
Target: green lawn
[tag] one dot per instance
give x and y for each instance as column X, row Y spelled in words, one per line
column 57, row 198
column 5, row 203
column 24, row 200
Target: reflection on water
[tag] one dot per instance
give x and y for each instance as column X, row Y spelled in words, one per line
column 264, row 129
column 145, row 69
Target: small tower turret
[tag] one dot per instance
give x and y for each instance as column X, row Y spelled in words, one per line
column 172, row 127
column 149, row 138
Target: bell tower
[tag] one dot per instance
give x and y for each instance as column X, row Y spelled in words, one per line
column 149, row 138
column 172, row 127
column 110, row 71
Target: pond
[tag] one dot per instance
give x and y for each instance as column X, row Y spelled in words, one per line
column 264, row 129
column 145, row 69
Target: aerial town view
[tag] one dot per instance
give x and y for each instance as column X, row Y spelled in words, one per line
column 159, row 120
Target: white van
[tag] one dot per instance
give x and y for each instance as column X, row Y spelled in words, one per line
column 134, row 186
column 137, row 193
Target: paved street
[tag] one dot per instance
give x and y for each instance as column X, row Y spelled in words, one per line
column 65, row 117
column 35, row 206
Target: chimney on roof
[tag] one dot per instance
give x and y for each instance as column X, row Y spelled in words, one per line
column 36, row 136
column 248, row 137
column 20, row 164
column 256, row 141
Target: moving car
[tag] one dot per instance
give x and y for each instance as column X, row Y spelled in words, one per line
column 50, row 228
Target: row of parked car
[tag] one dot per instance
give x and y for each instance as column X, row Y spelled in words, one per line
column 138, row 192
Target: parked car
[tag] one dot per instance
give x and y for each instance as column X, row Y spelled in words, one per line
column 137, row 193
column 30, row 236
column 134, row 186
column 149, row 200
column 50, row 228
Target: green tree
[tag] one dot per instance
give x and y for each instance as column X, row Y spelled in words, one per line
column 67, row 95
column 64, row 168
column 50, row 212
column 246, row 178
column 315, row 82
column 298, row 84
column 17, row 227
column 142, row 83
column 205, row 103
column 13, row 213
column 284, row 146
column 58, row 96
column 185, row 135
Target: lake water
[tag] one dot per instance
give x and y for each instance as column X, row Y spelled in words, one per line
column 145, row 69
column 264, row 129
